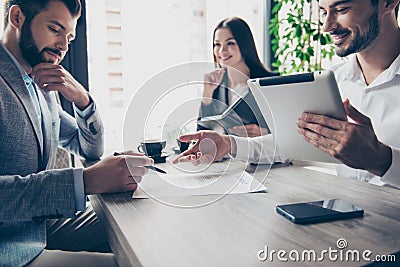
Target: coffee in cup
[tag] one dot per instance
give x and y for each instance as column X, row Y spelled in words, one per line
column 183, row 146
column 152, row 147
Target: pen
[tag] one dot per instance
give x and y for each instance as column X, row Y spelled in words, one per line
column 155, row 169
column 147, row 167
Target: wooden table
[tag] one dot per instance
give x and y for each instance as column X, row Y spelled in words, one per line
column 235, row 229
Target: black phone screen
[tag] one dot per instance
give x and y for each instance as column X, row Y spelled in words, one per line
column 319, row 211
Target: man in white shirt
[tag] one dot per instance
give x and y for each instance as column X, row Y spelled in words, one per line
column 370, row 81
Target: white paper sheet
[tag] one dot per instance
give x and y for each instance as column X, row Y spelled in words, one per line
column 189, row 180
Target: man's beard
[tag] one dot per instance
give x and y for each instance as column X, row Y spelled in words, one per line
column 29, row 49
column 360, row 42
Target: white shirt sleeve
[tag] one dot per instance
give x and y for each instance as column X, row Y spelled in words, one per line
column 392, row 176
column 260, row 149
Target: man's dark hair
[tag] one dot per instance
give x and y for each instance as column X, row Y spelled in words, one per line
column 31, row 8
column 396, row 11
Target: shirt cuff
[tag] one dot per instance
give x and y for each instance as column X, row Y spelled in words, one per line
column 242, row 148
column 260, row 150
column 392, row 175
column 89, row 110
column 80, row 198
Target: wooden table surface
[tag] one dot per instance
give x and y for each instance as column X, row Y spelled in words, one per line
column 234, row 229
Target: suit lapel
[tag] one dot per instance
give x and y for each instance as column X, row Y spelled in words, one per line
column 12, row 77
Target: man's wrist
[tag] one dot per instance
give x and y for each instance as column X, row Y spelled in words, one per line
column 87, row 181
column 385, row 161
column 86, row 101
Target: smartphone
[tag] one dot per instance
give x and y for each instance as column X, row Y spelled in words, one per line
column 319, row 211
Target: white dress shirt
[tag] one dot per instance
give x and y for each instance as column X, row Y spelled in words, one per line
column 380, row 101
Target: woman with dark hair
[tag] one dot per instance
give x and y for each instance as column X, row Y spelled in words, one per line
column 236, row 60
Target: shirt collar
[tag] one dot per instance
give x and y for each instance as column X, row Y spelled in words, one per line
column 388, row 74
column 353, row 71
column 395, row 67
column 28, row 79
column 348, row 70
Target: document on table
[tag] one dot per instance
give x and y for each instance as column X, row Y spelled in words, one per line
column 189, row 180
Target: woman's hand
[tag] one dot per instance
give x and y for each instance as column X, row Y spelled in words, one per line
column 211, row 81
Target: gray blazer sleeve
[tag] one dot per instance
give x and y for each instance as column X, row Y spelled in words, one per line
column 81, row 136
column 84, row 137
column 44, row 195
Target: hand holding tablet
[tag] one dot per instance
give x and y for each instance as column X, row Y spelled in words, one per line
column 283, row 99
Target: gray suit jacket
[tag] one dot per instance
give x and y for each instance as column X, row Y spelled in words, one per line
column 30, row 191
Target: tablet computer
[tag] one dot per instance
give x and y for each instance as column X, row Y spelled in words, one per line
column 282, row 99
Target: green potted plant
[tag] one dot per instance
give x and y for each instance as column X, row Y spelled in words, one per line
column 298, row 43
